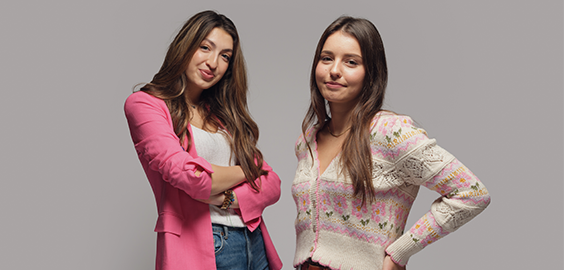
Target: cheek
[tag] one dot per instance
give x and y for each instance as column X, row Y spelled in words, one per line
column 193, row 64
column 356, row 77
column 319, row 74
column 223, row 68
column 196, row 58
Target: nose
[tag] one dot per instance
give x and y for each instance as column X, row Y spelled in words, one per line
column 211, row 62
column 335, row 71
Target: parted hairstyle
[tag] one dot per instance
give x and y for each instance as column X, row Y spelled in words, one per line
column 222, row 105
column 356, row 158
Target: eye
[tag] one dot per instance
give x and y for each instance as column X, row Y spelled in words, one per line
column 352, row 62
column 226, row 57
column 204, row 47
column 325, row 59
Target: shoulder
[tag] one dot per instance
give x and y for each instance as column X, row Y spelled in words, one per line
column 392, row 134
column 303, row 140
column 140, row 96
column 386, row 121
column 141, row 99
column 308, row 136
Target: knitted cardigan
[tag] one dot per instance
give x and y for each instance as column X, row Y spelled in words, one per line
column 336, row 230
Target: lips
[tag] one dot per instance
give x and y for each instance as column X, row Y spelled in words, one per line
column 333, row 85
column 207, row 74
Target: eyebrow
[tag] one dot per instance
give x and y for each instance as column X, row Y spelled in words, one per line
column 346, row 55
column 215, row 46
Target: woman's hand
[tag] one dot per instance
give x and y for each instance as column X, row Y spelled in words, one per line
column 218, row 199
column 391, row 265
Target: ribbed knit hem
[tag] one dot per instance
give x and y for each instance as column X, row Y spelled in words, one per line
column 339, row 251
column 402, row 249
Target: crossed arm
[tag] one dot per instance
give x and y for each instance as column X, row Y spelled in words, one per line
column 155, row 141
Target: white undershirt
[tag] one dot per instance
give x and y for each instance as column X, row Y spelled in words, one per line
column 215, row 148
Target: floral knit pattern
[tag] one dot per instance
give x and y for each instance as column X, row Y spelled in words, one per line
column 403, row 159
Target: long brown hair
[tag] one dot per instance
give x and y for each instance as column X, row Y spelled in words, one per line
column 225, row 102
column 356, row 157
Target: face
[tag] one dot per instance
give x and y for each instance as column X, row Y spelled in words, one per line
column 211, row 60
column 340, row 72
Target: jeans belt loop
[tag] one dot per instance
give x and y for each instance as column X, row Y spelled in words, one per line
column 225, row 231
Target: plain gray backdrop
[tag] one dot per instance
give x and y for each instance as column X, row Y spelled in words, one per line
column 485, row 78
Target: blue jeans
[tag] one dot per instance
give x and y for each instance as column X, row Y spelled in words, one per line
column 239, row 248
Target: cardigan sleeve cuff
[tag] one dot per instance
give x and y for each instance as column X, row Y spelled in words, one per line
column 402, row 249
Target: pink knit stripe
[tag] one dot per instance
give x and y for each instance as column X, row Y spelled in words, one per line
column 382, row 239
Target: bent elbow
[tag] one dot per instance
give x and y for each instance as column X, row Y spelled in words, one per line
column 487, row 201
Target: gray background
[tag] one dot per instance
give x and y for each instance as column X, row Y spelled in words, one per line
column 482, row 77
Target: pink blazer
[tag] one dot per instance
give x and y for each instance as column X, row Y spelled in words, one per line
column 184, row 239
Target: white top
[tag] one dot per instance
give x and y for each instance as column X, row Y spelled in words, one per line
column 215, row 148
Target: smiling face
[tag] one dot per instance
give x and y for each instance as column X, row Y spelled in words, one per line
column 340, row 71
column 210, row 61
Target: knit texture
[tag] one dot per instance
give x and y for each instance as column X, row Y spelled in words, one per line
column 336, row 230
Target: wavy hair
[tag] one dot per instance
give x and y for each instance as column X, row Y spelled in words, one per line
column 224, row 104
column 356, row 157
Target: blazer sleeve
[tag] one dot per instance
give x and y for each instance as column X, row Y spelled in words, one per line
column 253, row 203
column 151, row 129
column 462, row 195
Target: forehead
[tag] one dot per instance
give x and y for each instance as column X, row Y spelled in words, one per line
column 220, row 38
column 341, row 42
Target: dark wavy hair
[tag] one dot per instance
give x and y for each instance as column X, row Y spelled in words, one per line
column 356, row 157
column 224, row 104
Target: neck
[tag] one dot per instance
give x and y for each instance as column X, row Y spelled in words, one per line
column 340, row 118
column 192, row 97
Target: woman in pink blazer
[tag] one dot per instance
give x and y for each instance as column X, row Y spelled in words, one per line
column 197, row 144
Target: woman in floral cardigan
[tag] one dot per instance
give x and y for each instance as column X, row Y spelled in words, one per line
column 360, row 167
